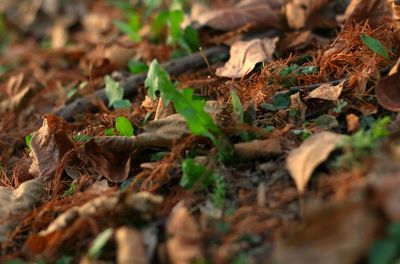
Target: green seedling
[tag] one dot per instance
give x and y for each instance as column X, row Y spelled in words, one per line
column 361, row 143
column 376, row 46
column 131, row 28
column 123, row 126
column 115, row 93
column 72, row 188
column 28, row 141
column 136, row 67
column 280, row 102
column 99, row 242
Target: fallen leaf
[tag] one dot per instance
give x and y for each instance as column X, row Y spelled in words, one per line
column 24, row 198
column 244, row 55
column 48, row 144
column 113, row 165
column 387, row 91
column 339, row 233
column 353, row 123
column 301, row 162
column 258, row 149
column 326, row 92
column 260, row 13
column 131, row 248
column 375, row 11
column 298, row 11
column 184, row 242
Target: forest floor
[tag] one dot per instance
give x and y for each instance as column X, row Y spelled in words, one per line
column 253, row 131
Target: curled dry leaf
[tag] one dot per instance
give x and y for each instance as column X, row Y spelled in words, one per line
column 25, row 197
column 259, row 13
column 387, row 91
column 298, row 11
column 326, row 92
column 258, row 149
column 131, row 248
column 184, row 242
column 244, row 55
column 49, row 144
column 302, row 161
column 333, row 234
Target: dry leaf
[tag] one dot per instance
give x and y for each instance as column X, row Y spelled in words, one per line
column 387, row 91
column 260, row 13
column 244, row 55
column 113, row 165
column 25, row 197
column 258, row 149
column 352, row 122
column 333, row 234
column 49, row 144
column 298, row 11
column 375, row 11
column 184, row 242
column 326, row 92
column 301, row 162
column 131, row 248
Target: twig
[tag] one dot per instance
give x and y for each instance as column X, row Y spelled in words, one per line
column 131, row 85
column 207, row 62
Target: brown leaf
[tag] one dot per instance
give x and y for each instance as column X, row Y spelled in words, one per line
column 24, row 198
column 298, row 11
column 301, row 162
column 49, row 144
column 326, row 92
column 333, row 234
column 244, row 55
column 258, row 149
column 112, row 165
column 184, row 243
column 131, row 248
column 375, row 11
column 260, row 13
column 387, row 91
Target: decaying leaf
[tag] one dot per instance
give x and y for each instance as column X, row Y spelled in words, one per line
column 333, row 234
column 298, row 11
column 244, row 55
column 387, row 91
column 258, row 149
column 131, row 248
column 25, row 197
column 48, row 144
column 184, row 243
column 260, row 13
column 326, row 92
column 301, row 162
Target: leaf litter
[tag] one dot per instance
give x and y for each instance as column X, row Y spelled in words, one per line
column 284, row 149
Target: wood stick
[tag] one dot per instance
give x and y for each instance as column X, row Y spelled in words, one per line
column 175, row 67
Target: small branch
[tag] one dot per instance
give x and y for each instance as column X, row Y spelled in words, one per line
column 175, row 67
column 207, row 63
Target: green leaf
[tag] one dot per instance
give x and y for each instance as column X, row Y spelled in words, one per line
column 123, row 126
column 376, row 46
column 157, row 80
column 192, row 173
column 131, row 28
column 137, row 66
column 175, row 32
column 99, row 242
column 114, row 92
column 28, row 140
column 191, row 38
column 280, row 102
column 109, row 132
column 237, row 106
column 122, row 104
